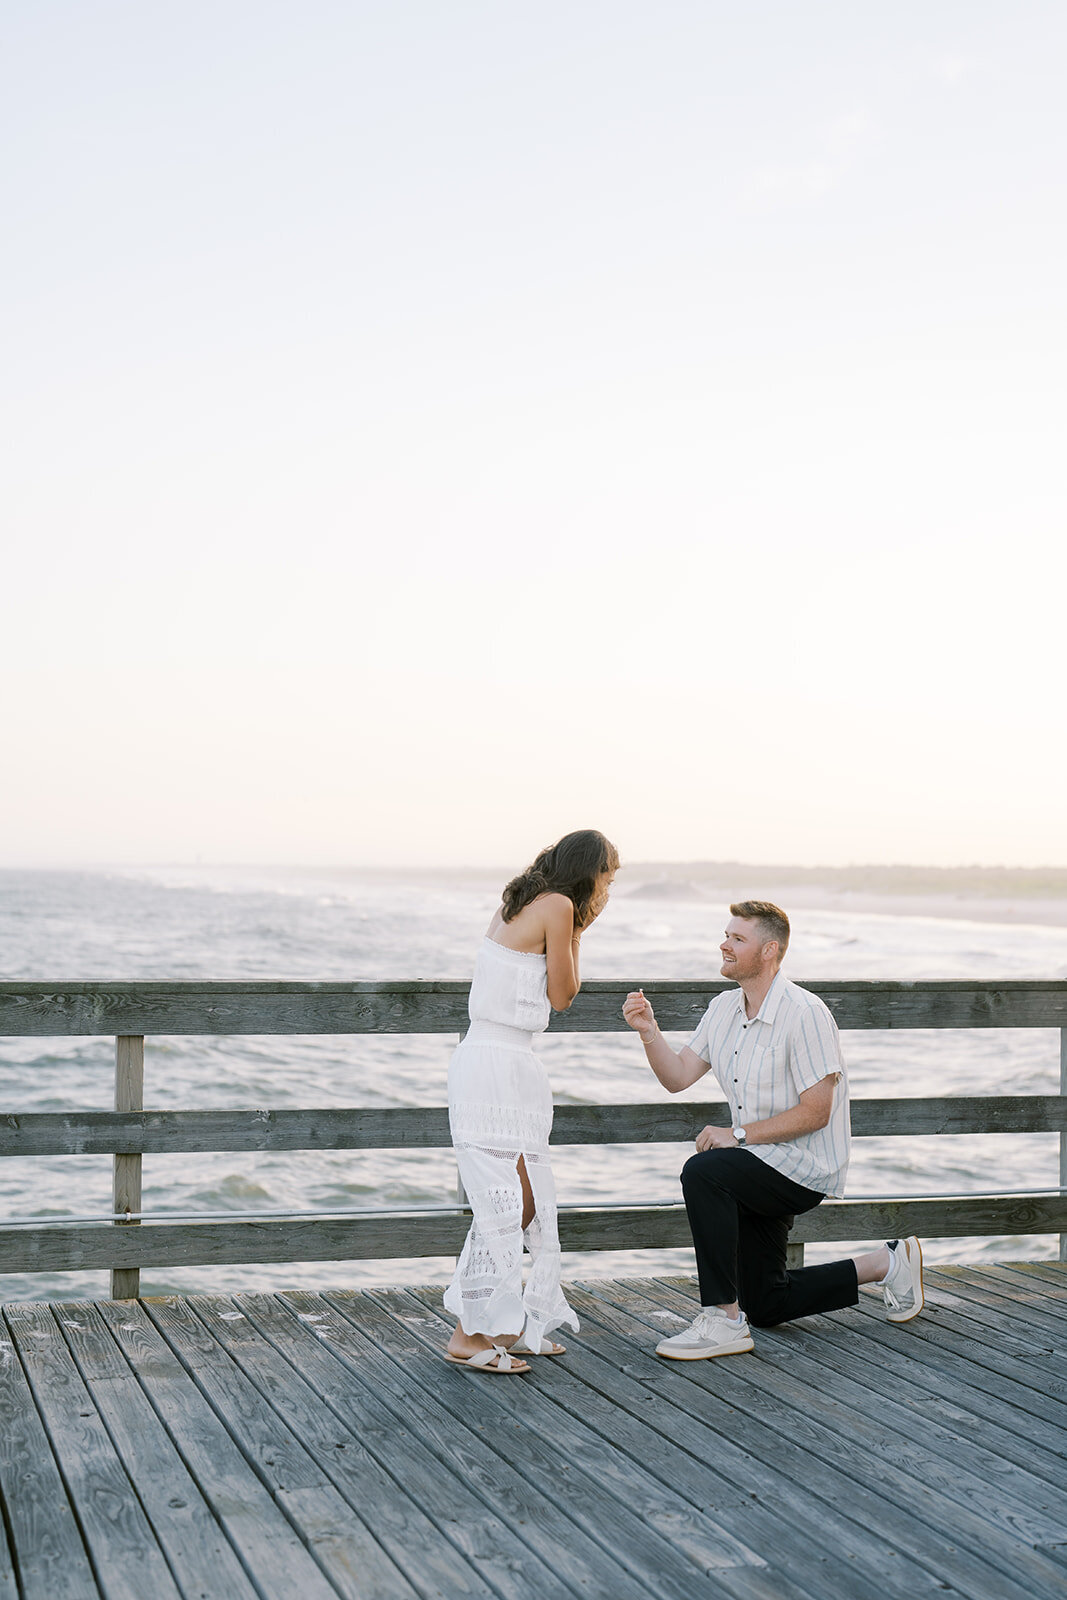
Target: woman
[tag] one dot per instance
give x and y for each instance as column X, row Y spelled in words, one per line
column 500, row 1106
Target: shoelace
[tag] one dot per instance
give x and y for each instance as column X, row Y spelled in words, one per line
column 704, row 1323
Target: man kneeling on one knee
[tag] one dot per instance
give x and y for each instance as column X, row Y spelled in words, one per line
column 776, row 1052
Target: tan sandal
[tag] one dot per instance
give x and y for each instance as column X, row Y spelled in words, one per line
column 495, row 1359
column 548, row 1348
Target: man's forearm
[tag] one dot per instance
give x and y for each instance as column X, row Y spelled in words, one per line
column 666, row 1063
column 786, row 1125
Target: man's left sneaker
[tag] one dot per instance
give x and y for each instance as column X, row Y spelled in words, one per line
column 902, row 1287
column 711, row 1333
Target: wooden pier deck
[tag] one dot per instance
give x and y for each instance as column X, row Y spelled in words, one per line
column 304, row 1446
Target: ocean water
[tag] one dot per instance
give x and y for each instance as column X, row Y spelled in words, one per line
column 208, row 923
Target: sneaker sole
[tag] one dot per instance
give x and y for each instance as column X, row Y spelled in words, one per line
column 909, row 1316
column 739, row 1347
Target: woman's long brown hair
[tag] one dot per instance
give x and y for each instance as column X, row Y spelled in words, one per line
column 571, row 867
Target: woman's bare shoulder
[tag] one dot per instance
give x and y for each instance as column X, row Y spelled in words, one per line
column 555, row 906
column 551, row 914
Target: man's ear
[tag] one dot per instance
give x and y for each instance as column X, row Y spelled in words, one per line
column 772, row 946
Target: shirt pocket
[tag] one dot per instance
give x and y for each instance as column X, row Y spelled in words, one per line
column 762, row 1080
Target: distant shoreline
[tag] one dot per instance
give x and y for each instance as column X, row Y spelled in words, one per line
column 993, row 883
column 1035, row 895
column 944, row 907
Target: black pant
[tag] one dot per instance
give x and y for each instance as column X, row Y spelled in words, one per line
column 740, row 1212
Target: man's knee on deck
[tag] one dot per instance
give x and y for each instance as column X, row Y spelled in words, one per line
column 765, row 1308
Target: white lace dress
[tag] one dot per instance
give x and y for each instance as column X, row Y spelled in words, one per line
column 500, row 1108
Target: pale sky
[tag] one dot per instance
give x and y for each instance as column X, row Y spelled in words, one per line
column 431, row 427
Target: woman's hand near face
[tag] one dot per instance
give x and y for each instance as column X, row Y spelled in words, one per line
column 561, row 950
column 601, row 895
column 595, row 908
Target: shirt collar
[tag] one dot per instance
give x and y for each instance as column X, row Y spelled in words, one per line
column 771, row 1000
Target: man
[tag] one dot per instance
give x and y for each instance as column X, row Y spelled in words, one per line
column 776, row 1052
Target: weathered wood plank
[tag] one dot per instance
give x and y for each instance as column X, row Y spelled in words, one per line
column 269, row 1547
column 599, row 1490
column 57, row 1009
column 81, row 1009
column 1026, row 1441
column 472, row 1495
column 211, row 1244
column 859, row 1460
column 1039, row 1358
column 1019, row 1518
column 119, row 1537
column 344, row 1546
column 992, row 1564
column 955, row 1332
column 46, row 1545
column 767, row 1509
column 884, row 1419
column 126, row 1168
column 931, row 1219
column 9, row 1589
column 1043, row 1320
column 588, row 1537
column 170, row 1132
column 426, row 1127
column 897, row 1544
column 1046, row 1278
column 1015, row 1508
column 1020, row 1291
column 340, row 1445
column 728, row 1485
column 199, row 1555
column 70, row 1248
column 953, row 1343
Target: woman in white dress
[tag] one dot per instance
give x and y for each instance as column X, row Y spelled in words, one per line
column 500, row 1107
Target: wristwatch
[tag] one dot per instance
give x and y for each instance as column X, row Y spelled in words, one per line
column 740, row 1135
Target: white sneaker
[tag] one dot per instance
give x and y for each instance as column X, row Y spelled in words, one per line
column 711, row 1333
column 902, row 1288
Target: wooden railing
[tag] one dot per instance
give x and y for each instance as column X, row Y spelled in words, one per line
column 131, row 1011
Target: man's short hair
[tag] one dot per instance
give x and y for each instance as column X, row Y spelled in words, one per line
column 774, row 924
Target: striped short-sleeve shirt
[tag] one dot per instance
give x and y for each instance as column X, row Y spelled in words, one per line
column 764, row 1063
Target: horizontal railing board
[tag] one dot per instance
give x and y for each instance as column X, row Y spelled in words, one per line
column 80, row 1009
column 50, row 1133
column 378, row 1238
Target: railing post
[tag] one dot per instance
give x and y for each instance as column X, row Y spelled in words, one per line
column 126, row 1185
column 1063, row 1133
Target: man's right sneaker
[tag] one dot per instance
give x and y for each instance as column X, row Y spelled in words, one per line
column 711, row 1333
column 902, row 1287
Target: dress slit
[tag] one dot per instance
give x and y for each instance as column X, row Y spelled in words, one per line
column 500, row 1111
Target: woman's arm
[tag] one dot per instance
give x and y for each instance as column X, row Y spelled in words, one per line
column 561, row 950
